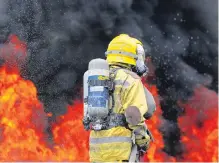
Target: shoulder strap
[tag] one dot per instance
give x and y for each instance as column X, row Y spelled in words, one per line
column 112, row 74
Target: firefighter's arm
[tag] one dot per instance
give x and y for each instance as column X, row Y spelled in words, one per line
column 150, row 103
column 135, row 106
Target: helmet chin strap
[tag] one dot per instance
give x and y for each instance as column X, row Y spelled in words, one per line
column 141, row 68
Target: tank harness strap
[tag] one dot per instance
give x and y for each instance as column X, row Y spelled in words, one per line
column 115, row 119
column 113, row 73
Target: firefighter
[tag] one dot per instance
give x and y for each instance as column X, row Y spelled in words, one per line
column 126, row 122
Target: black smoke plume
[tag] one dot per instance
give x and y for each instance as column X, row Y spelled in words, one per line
column 64, row 35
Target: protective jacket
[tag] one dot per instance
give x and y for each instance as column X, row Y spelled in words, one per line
column 114, row 144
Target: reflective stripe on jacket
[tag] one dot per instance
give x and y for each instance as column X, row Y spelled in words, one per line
column 115, row 144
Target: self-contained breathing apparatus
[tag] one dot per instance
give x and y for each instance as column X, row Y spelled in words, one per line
column 98, row 97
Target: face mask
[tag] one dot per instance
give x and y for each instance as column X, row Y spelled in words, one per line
column 141, row 68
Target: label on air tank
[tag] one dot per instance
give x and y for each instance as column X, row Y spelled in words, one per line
column 97, row 95
column 97, row 89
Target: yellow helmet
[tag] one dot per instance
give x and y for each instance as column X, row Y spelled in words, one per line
column 122, row 49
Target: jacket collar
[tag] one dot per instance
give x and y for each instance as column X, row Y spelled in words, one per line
column 121, row 65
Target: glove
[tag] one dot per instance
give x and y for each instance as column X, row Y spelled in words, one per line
column 142, row 139
column 143, row 142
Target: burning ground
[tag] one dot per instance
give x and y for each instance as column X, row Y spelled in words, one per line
column 40, row 81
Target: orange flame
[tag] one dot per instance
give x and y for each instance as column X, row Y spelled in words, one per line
column 22, row 119
column 199, row 126
column 70, row 133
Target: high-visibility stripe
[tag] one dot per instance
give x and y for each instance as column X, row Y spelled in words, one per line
column 110, row 140
column 122, row 53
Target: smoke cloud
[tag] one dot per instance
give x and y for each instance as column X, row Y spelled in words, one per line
column 63, row 36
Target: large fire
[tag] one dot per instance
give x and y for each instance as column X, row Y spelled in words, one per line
column 23, row 126
column 199, row 126
column 22, row 120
